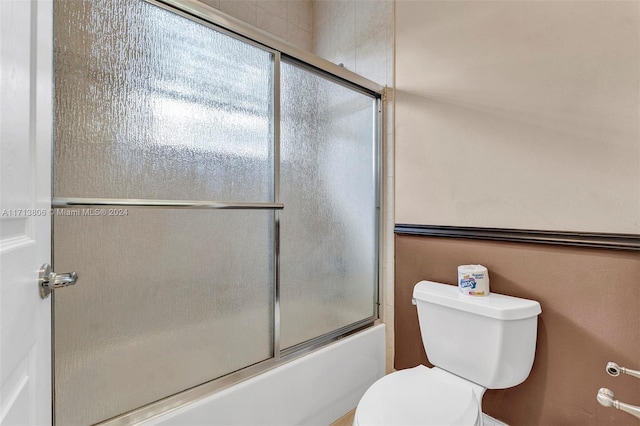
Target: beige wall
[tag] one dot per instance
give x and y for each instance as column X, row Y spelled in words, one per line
column 289, row 20
column 518, row 114
column 526, row 114
column 590, row 302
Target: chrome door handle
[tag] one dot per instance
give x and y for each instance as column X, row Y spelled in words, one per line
column 48, row 280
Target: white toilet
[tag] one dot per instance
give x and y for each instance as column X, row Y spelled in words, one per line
column 475, row 343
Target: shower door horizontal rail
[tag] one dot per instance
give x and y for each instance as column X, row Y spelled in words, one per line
column 61, row 202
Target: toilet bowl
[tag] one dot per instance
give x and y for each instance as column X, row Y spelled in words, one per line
column 420, row 396
column 474, row 344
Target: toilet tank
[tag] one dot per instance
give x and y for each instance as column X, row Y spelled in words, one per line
column 488, row 340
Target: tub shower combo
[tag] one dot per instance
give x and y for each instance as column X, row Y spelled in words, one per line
column 216, row 191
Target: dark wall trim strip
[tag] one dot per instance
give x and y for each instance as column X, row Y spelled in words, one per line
column 580, row 239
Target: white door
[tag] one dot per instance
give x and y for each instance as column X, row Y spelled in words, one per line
column 25, row 199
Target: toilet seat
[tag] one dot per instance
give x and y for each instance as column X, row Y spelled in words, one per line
column 419, row 396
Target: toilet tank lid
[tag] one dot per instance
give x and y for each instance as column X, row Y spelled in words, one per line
column 494, row 305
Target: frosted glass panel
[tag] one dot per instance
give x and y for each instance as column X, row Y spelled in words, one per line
column 155, row 106
column 327, row 244
column 166, row 300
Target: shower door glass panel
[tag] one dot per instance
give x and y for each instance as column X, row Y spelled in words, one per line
column 151, row 105
column 156, row 106
column 165, row 300
column 328, row 185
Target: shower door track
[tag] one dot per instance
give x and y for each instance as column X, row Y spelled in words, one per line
column 188, row 396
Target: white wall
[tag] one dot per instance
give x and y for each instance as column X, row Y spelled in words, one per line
column 357, row 34
column 518, row 114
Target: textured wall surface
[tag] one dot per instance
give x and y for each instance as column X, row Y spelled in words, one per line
column 357, row 34
column 518, row 114
column 590, row 315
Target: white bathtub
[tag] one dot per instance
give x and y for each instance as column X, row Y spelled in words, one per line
column 315, row 389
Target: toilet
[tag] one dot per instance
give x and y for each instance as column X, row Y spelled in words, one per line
column 475, row 343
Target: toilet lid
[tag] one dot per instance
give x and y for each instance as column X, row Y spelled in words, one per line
column 418, row 396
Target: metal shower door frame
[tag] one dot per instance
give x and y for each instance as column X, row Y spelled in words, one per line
column 281, row 51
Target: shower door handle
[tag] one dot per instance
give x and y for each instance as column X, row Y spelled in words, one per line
column 48, row 280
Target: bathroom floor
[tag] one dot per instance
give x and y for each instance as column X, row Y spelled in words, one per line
column 346, row 420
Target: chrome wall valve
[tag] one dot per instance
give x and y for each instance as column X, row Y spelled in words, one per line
column 49, row 280
column 606, row 398
column 614, row 370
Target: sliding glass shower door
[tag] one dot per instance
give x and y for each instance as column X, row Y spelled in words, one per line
column 328, row 170
column 176, row 147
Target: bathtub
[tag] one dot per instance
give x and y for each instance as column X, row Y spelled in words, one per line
column 315, row 389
